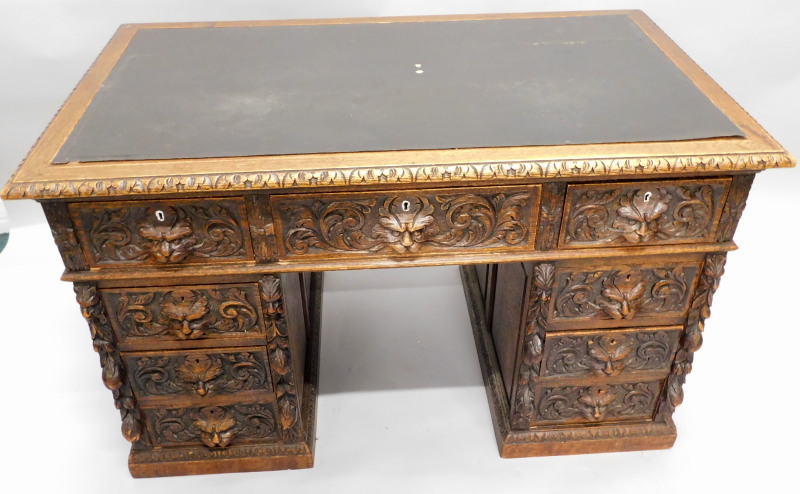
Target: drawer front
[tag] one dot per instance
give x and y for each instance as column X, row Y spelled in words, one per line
column 587, row 404
column 398, row 223
column 163, row 232
column 642, row 213
column 609, row 353
column 198, row 374
column 142, row 315
column 621, row 294
column 212, row 426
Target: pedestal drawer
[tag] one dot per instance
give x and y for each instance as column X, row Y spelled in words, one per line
column 617, row 293
column 455, row 220
column 212, row 426
column 642, row 213
column 163, row 232
column 164, row 316
column 198, row 376
column 603, row 402
column 609, row 353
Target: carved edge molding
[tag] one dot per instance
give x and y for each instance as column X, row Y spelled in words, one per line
column 290, row 179
column 63, row 231
column 539, row 293
column 280, row 358
column 734, row 206
column 114, row 376
column 692, row 338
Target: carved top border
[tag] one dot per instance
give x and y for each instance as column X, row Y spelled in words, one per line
column 387, row 175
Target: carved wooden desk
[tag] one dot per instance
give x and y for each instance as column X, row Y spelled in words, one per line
column 585, row 173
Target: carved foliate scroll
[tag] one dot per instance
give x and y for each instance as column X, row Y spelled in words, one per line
column 642, row 213
column 405, row 224
column 64, row 235
column 170, row 233
column 734, row 206
column 216, row 427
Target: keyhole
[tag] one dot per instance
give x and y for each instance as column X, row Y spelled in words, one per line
column 647, row 196
column 160, row 215
column 405, row 206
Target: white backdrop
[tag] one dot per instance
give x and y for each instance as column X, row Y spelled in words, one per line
column 402, row 405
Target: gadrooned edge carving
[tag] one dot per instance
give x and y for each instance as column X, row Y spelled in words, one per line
column 289, row 179
column 114, row 376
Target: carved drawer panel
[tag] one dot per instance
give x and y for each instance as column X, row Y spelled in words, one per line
column 587, row 404
column 642, row 213
column 198, row 374
column 144, row 315
column 609, row 353
column 214, row 427
column 400, row 223
column 621, row 294
column 163, row 232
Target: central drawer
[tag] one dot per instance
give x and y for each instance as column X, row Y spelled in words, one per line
column 456, row 220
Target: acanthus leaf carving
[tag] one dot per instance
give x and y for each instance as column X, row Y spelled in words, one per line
column 692, row 339
column 216, row 427
column 113, row 374
column 539, row 293
column 571, row 404
column 280, row 359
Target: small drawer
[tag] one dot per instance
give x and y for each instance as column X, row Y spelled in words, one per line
column 642, row 213
column 596, row 403
column 404, row 223
column 144, row 316
column 163, row 232
column 212, row 426
column 609, row 353
column 198, row 375
column 619, row 293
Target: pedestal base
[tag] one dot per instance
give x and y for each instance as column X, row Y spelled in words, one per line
column 549, row 441
column 167, row 462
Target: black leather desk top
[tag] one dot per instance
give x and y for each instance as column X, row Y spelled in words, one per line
column 246, row 91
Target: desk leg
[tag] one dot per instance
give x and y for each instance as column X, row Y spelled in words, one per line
column 497, row 355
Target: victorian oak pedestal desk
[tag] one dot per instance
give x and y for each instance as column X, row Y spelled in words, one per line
column 583, row 171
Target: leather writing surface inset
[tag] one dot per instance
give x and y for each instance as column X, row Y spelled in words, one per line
column 274, row 90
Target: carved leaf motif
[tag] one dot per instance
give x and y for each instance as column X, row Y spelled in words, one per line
column 595, row 401
column 569, row 404
column 611, row 351
column 199, row 370
column 216, row 426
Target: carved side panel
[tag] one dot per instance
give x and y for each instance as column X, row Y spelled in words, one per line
column 598, row 403
column 552, row 210
column 168, row 232
column 734, row 206
column 280, row 359
column 609, row 353
column 623, row 295
column 63, row 231
column 185, row 313
column 198, row 373
column 692, row 339
column 398, row 223
column 538, row 299
column 212, row 426
column 642, row 213
column 114, row 376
